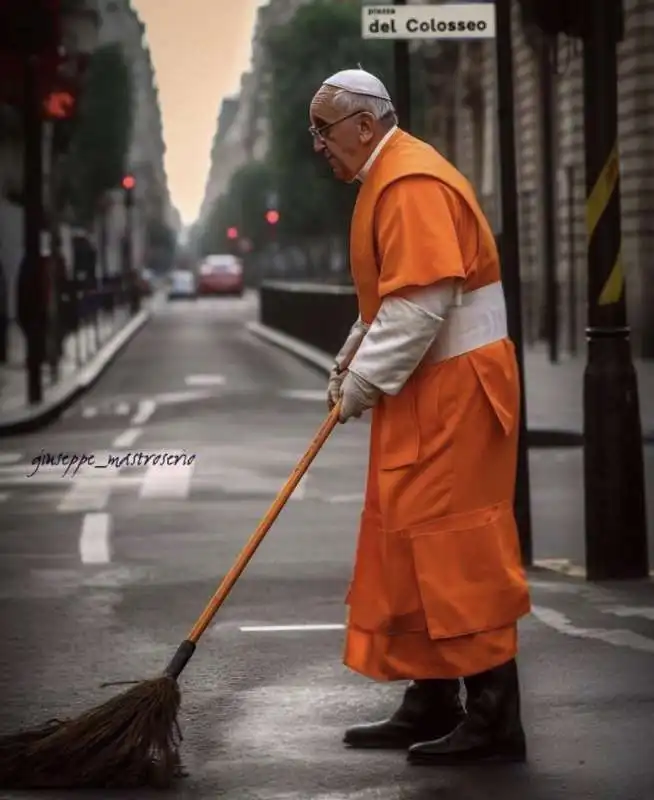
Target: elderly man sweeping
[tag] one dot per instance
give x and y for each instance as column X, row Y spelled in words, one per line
column 438, row 586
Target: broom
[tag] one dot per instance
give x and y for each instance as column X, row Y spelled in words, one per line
column 132, row 739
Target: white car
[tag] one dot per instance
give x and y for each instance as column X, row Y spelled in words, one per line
column 183, row 285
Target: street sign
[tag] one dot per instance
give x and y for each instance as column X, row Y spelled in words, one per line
column 443, row 21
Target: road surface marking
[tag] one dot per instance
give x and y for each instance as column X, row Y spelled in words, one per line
column 642, row 612
column 94, row 546
column 315, row 395
column 89, row 412
column 122, row 409
column 346, row 498
column 145, row 410
column 10, row 458
column 619, row 638
column 181, row 397
column 169, row 481
column 300, row 491
column 90, row 492
column 284, row 628
column 205, row 380
column 127, row 438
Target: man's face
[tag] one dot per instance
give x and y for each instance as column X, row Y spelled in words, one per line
column 344, row 140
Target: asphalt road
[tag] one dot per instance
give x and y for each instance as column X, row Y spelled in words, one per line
column 103, row 572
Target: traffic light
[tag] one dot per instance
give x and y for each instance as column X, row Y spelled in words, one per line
column 232, row 233
column 272, row 217
column 59, row 105
column 129, row 182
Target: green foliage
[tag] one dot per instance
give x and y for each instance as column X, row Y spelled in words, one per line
column 102, row 132
column 162, row 245
column 243, row 206
column 323, row 37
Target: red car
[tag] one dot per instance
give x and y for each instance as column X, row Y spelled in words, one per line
column 221, row 275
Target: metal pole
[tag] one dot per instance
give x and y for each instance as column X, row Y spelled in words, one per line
column 547, row 115
column 510, row 255
column 402, row 79
column 616, row 522
column 33, row 219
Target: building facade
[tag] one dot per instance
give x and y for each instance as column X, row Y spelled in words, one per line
column 121, row 24
column 243, row 127
column 462, row 80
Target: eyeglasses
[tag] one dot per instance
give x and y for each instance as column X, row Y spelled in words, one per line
column 318, row 133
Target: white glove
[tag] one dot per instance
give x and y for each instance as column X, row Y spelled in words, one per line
column 401, row 334
column 357, row 396
column 343, row 358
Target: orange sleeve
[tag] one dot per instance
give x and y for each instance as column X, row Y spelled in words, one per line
column 417, row 227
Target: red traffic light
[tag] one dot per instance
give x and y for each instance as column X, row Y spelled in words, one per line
column 232, row 233
column 59, row 105
column 129, row 182
column 272, row 217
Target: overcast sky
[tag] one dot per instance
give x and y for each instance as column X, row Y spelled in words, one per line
column 199, row 49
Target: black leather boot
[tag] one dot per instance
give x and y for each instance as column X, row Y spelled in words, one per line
column 492, row 729
column 429, row 709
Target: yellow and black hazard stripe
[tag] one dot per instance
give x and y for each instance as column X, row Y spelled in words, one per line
column 603, row 217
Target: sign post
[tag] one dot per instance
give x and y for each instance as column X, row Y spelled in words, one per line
column 475, row 21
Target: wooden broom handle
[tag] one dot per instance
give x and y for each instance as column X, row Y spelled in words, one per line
column 264, row 526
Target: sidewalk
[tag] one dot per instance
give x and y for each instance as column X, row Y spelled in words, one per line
column 86, row 355
column 554, row 392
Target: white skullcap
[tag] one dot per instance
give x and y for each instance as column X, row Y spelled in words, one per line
column 358, row 81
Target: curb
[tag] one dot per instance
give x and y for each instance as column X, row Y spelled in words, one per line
column 538, row 438
column 33, row 419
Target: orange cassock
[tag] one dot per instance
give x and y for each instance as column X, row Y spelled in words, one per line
column 438, row 585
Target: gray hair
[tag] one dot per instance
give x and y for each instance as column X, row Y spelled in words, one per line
column 349, row 102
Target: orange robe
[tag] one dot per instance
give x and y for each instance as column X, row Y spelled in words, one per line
column 438, row 584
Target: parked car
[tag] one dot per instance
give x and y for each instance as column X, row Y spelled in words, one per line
column 221, row 275
column 182, row 285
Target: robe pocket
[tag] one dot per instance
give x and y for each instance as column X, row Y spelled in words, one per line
column 469, row 572
column 497, row 372
column 399, row 430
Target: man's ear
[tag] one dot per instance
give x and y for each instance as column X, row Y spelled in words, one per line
column 366, row 127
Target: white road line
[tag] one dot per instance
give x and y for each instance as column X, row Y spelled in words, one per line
column 167, row 481
column 122, row 409
column 205, row 380
column 285, row 628
column 145, row 410
column 313, row 395
column 89, row 412
column 10, row 458
column 182, row 397
column 619, row 638
column 89, row 492
column 300, row 491
column 346, row 498
column 642, row 612
column 127, row 438
column 94, row 544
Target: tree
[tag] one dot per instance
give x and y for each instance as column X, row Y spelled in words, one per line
column 162, row 245
column 243, row 206
column 99, row 148
column 323, row 37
